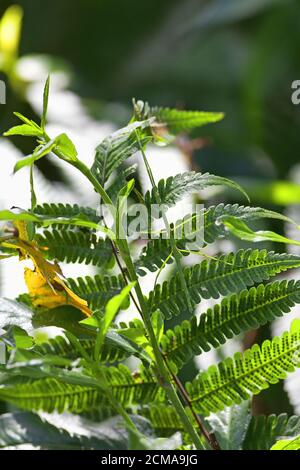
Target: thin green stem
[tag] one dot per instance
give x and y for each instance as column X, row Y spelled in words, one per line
column 97, row 186
column 161, row 268
column 210, row 437
column 177, row 255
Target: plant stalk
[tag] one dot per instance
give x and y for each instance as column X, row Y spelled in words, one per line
column 176, row 253
column 210, row 437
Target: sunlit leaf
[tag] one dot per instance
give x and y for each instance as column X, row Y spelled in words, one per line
column 24, row 129
column 241, row 230
column 39, row 153
column 287, row 444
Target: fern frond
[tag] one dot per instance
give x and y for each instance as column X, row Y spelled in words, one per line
column 66, row 210
column 175, row 187
column 236, row 379
column 240, row 312
column 179, row 121
column 75, row 247
column 97, row 290
column 116, row 148
column 264, row 431
column 201, row 229
column 213, row 227
column 59, row 346
column 51, row 394
column 212, row 278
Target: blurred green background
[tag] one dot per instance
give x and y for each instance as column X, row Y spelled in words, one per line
column 236, row 56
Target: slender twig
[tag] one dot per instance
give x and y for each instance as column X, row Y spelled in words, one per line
column 210, row 437
column 176, row 253
column 161, row 268
column 124, row 276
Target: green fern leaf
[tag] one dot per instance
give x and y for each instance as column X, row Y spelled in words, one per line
column 155, row 253
column 236, row 379
column 212, row 278
column 158, row 250
column 97, row 290
column 175, row 187
column 75, row 247
column 117, row 147
column 240, row 312
column 264, row 431
column 179, row 121
column 65, row 210
column 214, row 228
column 51, row 394
column 59, row 346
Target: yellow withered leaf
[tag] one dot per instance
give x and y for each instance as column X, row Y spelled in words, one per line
column 57, row 294
column 48, row 270
column 45, row 283
column 25, row 230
